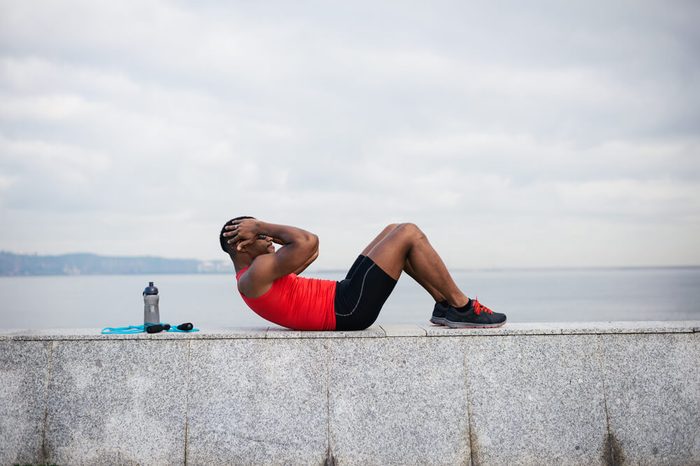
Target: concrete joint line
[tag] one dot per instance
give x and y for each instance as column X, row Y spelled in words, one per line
column 47, row 385
column 188, row 376
column 473, row 460
column 612, row 454
column 329, row 459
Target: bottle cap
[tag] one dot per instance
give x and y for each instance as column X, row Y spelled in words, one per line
column 150, row 289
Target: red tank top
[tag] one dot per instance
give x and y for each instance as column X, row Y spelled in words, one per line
column 296, row 302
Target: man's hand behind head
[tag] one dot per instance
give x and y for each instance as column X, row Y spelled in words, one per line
column 242, row 232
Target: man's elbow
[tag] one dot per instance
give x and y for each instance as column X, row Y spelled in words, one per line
column 314, row 242
column 308, row 242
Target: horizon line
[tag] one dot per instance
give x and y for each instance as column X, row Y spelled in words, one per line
column 490, row 268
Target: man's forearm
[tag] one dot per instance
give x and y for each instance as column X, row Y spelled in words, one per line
column 286, row 234
column 299, row 246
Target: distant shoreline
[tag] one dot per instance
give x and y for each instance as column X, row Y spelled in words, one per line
column 80, row 264
column 21, row 265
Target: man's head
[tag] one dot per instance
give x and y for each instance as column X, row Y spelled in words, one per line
column 229, row 248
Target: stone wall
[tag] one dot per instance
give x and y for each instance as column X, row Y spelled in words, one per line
column 588, row 393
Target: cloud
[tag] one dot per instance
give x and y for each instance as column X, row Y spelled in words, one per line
column 139, row 127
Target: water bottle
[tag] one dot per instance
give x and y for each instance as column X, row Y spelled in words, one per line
column 151, row 313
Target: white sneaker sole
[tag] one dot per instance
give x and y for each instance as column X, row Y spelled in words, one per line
column 471, row 325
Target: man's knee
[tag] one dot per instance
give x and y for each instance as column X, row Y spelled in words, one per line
column 410, row 229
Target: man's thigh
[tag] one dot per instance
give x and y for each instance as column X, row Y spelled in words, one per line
column 359, row 299
column 390, row 253
column 388, row 229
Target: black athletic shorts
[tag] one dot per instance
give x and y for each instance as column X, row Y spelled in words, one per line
column 360, row 297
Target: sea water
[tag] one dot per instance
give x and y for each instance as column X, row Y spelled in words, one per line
column 533, row 295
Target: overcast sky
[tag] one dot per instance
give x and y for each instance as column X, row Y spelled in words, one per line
column 514, row 133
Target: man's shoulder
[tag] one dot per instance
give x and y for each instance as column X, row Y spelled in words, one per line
column 262, row 267
column 258, row 276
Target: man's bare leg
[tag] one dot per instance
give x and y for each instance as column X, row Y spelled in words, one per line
column 388, row 229
column 408, row 267
column 406, row 243
column 437, row 296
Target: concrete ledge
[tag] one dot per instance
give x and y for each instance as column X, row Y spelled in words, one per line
column 588, row 393
column 377, row 331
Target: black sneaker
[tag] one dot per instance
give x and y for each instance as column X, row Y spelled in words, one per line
column 439, row 312
column 476, row 316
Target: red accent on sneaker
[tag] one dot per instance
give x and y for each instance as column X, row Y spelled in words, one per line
column 478, row 307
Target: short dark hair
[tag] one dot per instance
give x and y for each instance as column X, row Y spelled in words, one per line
column 222, row 239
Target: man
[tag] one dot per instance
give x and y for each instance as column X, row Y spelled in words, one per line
column 269, row 284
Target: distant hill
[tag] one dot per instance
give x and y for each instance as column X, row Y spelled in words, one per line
column 92, row 264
